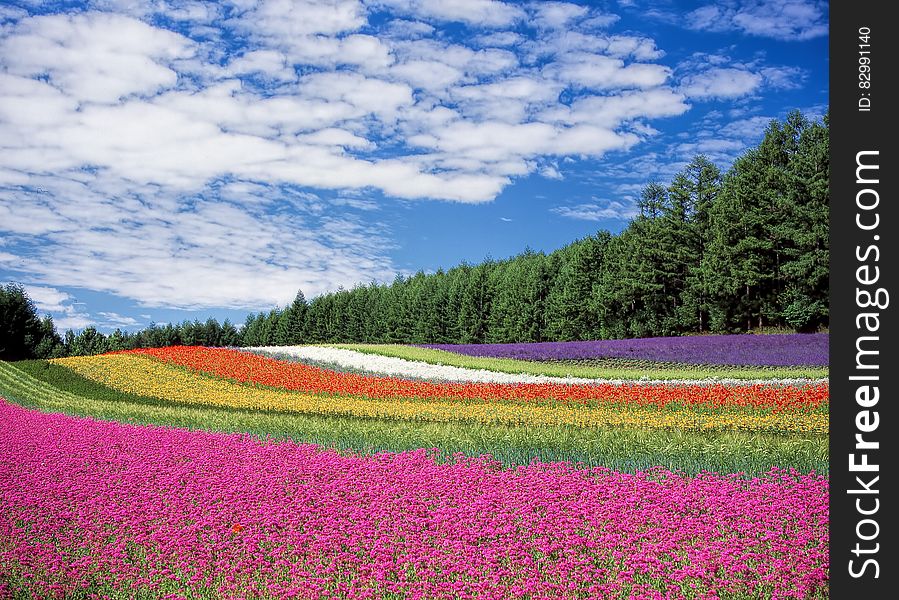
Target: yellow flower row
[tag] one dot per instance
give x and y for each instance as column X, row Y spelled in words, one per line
column 146, row 377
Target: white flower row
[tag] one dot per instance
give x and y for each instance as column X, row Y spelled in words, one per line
column 411, row 369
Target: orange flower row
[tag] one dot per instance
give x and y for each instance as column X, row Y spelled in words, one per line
column 251, row 368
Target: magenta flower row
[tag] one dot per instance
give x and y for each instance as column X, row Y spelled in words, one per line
column 94, row 503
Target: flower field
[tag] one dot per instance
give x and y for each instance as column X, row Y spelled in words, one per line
column 378, row 472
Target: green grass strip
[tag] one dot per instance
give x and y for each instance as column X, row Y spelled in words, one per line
column 559, row 369
column 619, row 449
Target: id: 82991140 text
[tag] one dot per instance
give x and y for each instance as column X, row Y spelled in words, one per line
column 864, row 69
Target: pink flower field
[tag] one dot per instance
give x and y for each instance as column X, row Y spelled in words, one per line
column 91, row 508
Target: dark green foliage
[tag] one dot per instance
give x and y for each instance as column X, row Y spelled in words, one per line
column 768, row 249
column 570, row 313
column 89, row 341
column 520, row 289
column 21, row 331
column 49, row 343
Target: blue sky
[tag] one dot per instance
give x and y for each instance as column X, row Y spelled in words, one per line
column 170, row 160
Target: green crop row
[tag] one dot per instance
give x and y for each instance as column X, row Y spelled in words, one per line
column 560, row 369
column 56, row 389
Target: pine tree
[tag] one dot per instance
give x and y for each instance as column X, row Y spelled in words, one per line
column 295, row 323
column 230, row 335
column 805, row 268
column 50, row 344
column 475, row 309
column 570, row 313
column 20, row 328
column 89, row 342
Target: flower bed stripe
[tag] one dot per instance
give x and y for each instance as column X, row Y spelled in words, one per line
column 745, row 349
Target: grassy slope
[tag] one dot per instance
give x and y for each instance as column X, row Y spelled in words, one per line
column 509, row 365
column 50, row 388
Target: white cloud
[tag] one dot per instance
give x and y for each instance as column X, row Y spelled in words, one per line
column 721, row 83
column 599, row 210
column 48, row 299
column 627, row 107
column 429, row 75
column 271, row 63
column 784, row 78
column 406, row 29
column 494, row 141
column 603, row 72
column 197, row 252
column 11, row 13
column 95, row 57
column 112, row 319
column 551, row 172
column 600, row 21
column 718, row 76
column 74, row 322
column 499, row 38
column 471, row 62
column 482, row 13
column 748, row 129
column 787, row 20
column 712, row 147
column 555, row 15
column 283, row 20
column 368, row 95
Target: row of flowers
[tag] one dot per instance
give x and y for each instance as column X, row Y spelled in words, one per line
column 250, row 368
column 142, row 374
column 158, row 510
column 746, row 349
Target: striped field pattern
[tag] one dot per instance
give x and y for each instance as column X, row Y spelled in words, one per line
column 377, row 472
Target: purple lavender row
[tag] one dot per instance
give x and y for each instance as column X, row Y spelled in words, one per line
column 157, row 511
column 774, row 350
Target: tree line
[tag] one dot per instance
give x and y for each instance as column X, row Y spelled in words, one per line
column 708, row 252
column 23, row 334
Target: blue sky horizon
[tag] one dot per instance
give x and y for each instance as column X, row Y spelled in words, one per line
column 170, row 161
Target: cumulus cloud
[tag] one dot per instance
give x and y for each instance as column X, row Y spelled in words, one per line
column 721, row 83
column 788, row 20
column 601, row 72
column 598, row 210
column 555, row 15
column 719, row 77
column 483, row 13
column 94, row 57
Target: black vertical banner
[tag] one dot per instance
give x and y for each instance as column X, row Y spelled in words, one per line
column 864, row 364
